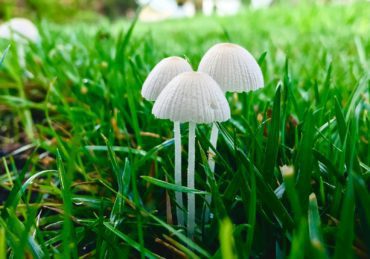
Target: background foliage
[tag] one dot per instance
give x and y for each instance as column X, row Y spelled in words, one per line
column 64, row 10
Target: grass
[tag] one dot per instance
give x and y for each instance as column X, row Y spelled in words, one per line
column 292, row 165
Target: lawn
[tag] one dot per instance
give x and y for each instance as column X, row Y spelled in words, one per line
column 87, row 171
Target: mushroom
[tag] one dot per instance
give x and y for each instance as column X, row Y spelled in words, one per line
column 192, row 97
column 22, row 31
column 235, row 70
column 157, row 79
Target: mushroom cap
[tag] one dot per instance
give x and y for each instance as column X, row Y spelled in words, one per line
column 162, row 74
column 192, row 97
column 233, row 68
column 20, row 30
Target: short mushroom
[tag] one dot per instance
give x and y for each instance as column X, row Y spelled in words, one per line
column 235, row 70
column 192, row 97
column 22, row 31
column 157, row 79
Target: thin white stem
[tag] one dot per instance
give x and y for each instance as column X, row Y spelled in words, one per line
column 21, row 55
column 211, row 163
column 178, row 195
column 213, row 141
column 191, row 168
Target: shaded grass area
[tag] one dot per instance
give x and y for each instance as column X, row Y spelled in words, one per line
column 93, row 180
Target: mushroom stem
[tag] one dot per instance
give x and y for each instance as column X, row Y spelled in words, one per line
column 213, row 141
column 191, row 167
column 21, row 56
column 178, row 195
column 211, row 163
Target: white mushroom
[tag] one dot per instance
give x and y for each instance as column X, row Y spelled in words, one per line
column 235, row 70
column 157, row 79
column 21, row 31
column 192, row 97
column 162, row 74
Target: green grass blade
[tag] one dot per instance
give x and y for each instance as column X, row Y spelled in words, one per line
column 289, row 183
column 341, row 123
column 132, row 243
column 27, row 183
column 314, row 225
column 305, row 161
column 272, row 146
column 123, row 180
column 363, row 197
column 268, row 196
column 220, row 212
column 171, row 186
column 252, row 211
column 2, row 243
column 149, row 155
column 16, row 227
column 227, row 239
column 345, row 234
column 65, row 179
column 264, row 190
column 4, row 55
column 138, row 202
column 124, row 42
column 262, row 58
column 299, row 241
column 191, row 244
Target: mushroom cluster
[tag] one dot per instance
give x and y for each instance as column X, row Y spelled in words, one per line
column 186, row 96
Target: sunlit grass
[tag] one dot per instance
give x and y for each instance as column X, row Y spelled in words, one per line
column 97, row 178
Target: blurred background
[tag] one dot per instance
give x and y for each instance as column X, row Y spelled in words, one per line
column 152, row 10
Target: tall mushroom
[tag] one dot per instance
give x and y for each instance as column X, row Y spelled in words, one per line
column 192, row 97
column 235, row 70
column 157, row 79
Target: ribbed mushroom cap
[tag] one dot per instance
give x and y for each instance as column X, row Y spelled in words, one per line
column 192, row 97
column 20, row 30
column 162, row 74
column 233, row 68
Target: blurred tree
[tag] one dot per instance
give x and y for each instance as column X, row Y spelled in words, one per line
column 181, row 2
column 61, row 10
column 114, row 8
column 51, row 8
column 197, row 3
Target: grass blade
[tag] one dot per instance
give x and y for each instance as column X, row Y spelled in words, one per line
column 171, row 186
column 137, row 201
column 132, row 243
column 314, row 225
column 191, row 244
column 304, row 162
column 226, row 239
column 341, row 123
column 67, row 232
column 264, row 190
column 345, row 234
column 289, row 181
column 2, row 243
column 272, row 146
column 298, row 241
column 252, row 211
column 4, row 55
